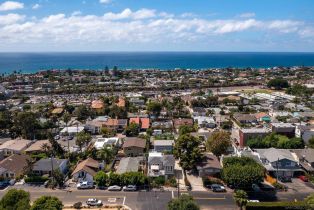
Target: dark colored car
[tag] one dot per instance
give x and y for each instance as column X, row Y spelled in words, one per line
column 285, row 179
column 218, row 188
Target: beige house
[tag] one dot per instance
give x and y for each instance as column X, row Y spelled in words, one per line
column 14, row 146
column 134, row 147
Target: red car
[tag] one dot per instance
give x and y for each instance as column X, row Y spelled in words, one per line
column 304, row 178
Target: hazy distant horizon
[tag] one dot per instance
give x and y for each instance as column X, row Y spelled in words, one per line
column 33, row 62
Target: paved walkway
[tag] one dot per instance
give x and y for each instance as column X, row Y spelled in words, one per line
column 196, row 182
column 179, row 175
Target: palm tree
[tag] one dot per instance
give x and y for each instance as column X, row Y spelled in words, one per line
column 105, row 154
column 46, row 148
column 240, row 197
column 28, row 169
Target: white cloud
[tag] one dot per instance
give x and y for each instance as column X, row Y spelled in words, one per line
column 127, row 13
column 76, row 13
column 10, row 19
column 141, row 26
column 11, row 5
column 104, row 1
column 36, row 6
column 247, row 15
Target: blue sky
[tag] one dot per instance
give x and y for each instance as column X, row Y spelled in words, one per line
column 157, row 25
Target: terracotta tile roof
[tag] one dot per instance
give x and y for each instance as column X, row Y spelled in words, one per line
column 97, row 104
column 89, row 165
column 145, row 123
column 183, row 121
column 57, row 111
column 134, row 142
column 121, row 102
column 260, row 115
column 135, row 120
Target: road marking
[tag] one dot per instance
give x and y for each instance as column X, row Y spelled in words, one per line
column 99, row 196
column 197, row 198
column 123, row 200
column 172, row 194
column 112, row 200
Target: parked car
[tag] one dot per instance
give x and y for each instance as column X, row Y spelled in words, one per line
column 70, row 137
column 94, row 202
column 85, row 185
column 285, row 179
column 114, row 188
column 304, row 178
column 4, row 184
column 218, row 188
column 129, row 188
column 57, row 137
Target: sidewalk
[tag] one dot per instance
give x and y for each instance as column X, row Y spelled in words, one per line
column 179, row 175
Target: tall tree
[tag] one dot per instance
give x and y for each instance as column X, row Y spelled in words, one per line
column 105, row 154
column 218, row 143
column 83, row 138
column 187, row 149
column 15, row 200
column 240, row 197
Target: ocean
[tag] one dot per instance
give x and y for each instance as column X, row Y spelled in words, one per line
column 32, row 62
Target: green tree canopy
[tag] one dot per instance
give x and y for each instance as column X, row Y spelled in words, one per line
column 132, row 129
column 15, row 200
column 25, row 124
column 187, row 149
column 240, row 197
column 47, row 203
column 276, row 141
column 185, row 129
column 82, row 138
column 218, row 142
column 154, row 107
column 242, row 172
column 101, row 179
column 184, row 202
column 278, row 83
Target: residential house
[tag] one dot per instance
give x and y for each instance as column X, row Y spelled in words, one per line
column 116, row 124
column 182, row 121
column 209, row 166
column 133, row 146
column 13, row 166
column 249, row 133
column 160, row 165
column 163, row 125
column 279, row 162
column 199, row 111
column 286, row 129
column 121, row 102
column 130, row 164
column 85, row 170
column 98, row 105
column 262, row 117
column 245, row 118
column 45, row 166
column 205, row 122
column 71, row 131
column 37, row 147
column 16, row 146
column 163, row 145
column 305, row 158
column 144, row 123
column 304, row 132
column 106, row 142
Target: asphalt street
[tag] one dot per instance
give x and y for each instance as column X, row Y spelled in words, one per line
column 142, row 200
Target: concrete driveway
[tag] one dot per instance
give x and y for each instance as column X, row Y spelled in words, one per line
column 298, row 185
column 196, row 182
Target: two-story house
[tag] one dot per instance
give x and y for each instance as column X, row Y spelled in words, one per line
column 133, row 147
column 279, row 161
column 160, row 165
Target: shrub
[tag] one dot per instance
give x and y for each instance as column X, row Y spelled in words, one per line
column 36, row 179
column 211, row 180
column 78, row 205
column 275, row 205
column 279, row 186
column 172, row 182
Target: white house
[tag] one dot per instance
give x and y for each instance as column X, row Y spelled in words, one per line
column 160, row 165
column 104, row 142
column 85, row 170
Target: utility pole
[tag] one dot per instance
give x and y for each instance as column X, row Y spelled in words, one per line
column 51, row 160
column 277, row 169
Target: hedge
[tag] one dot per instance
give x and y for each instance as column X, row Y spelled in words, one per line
column 36, row 179
column 300, row 205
